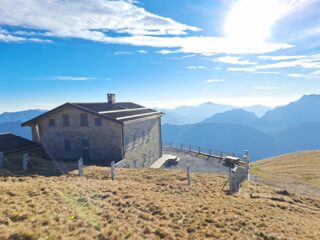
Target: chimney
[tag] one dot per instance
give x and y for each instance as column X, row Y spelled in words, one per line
column 111, row 98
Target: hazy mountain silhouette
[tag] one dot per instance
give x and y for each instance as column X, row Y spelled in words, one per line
column 19, row 116
column 258, row 110
column 234, row 116
column 15, row 128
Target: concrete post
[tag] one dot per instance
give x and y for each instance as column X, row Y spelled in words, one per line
column 80, row 167
column 247, row 163
column 189, row 176
column 233, row 180
column 25, row 161
column 1, row 159
column 113, row 171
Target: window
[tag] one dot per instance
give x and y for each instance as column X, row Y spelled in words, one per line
column 98, row 122
column 134, row 140
column 52, row 122
column 84, row 120
column 65, row 120
column 85, row 143
column 67, row 145
column 143, row 136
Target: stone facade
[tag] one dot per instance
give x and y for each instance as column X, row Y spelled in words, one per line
column 142, row 142
column 138, row 141
column 104, row 142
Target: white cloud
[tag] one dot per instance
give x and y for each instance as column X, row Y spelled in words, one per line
column 165, row 51
column 96, row 20
column 197, row 67
column 312, row 61
column 234, row 60
column 5, row 36
column 71, row 78
column 143, row 51
column 214, row 80
column 122, row 53
column 280, row 58
column 251, row 70
column 267, row 88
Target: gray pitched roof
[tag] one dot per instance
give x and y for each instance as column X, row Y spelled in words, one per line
column 119, row 112
column 10, row 143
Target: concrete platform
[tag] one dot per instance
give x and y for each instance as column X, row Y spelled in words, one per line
column 162, row 160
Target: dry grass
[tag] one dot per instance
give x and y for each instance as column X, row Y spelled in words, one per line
column 150, row 204
column 298, row 172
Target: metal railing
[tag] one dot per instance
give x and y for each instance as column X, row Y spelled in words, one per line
column 199, row 150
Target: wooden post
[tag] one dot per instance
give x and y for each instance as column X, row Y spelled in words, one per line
column 113, row 171
column 181, row 146
column 199, row 150
column 189, row 176
column 80, row 167
column 1, row 159
column 25, row 160
column 189, row 148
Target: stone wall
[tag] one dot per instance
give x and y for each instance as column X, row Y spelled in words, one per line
column 142, row 141
column 105, row 141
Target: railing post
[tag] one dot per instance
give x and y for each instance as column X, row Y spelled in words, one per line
column 1, row 159
column 80, row 167
column 113, row 171
column 221, row 154
column 199, row 150
column 171, row 145
column 25, row 160
column 189, row 175
column 181, row 146
column 210, row 152
column 190, row 148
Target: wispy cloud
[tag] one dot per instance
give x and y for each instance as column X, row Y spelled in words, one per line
column 233, row 60
column 5, row 36
column 251, row 70
column 280, row 58
column 71, row 78
column 97, row 20
column 122, row 53
column 214, row 80
column 267, row 88
column 197, row 67
column 143, row 51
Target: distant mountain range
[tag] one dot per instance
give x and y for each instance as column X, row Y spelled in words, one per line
column 194, row 114
column 285, row 129
column 20, row 116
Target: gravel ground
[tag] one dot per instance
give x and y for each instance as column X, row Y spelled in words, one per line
column 197, row 163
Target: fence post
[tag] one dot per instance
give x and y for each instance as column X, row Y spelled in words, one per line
column 113, row 171
column 199, row 150
column 190, row 148
column 247, row 163
column 233, row 180
column 210, row 152
column 189, row 176
column 80, row 167
column 221, row 154
column 1, row 159
column 181, row 146
column 25, row 160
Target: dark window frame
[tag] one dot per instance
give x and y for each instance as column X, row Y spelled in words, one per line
column 67, row 145
column 98, row 122
column 65, row 120
column 52, row 122
column 84, row 122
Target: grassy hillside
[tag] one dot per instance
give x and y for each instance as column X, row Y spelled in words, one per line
column 297, row 171
column 149, row 204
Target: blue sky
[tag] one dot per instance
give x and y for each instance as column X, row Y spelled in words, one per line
column 159, row 53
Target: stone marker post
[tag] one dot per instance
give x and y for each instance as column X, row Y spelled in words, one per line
column 1, row 159
column 80, row 167
column 113, row 171
column 25, row 161
column 189, row 176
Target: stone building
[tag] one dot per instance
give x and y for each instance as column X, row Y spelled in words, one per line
column 100, row 132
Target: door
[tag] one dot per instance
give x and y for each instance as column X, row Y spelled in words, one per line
column 85, row 150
